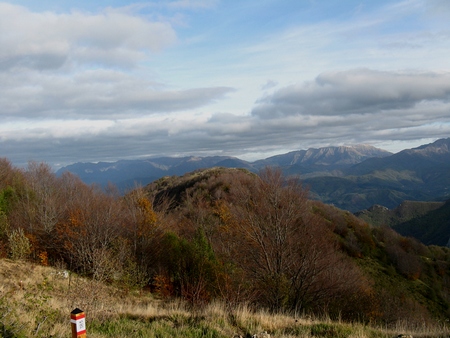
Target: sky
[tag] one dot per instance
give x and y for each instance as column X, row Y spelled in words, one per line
column 89, row 81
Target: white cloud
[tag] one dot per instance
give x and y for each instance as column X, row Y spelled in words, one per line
column 48, row 41
column 96, row 94
column 356, row 92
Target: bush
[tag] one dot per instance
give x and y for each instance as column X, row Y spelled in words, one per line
column 191, row 266
column 19, row 244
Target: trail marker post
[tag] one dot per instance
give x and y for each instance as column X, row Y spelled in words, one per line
column 78, row 323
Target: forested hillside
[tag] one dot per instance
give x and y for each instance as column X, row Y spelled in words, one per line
column 224, row 234
column 429, row 222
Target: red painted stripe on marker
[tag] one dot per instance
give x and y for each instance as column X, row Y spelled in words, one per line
column 78, row 316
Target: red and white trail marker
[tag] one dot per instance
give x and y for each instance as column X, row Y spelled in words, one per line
column 78, row 323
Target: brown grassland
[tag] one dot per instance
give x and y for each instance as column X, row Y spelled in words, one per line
column 36, row 301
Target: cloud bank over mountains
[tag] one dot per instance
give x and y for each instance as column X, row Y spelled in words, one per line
column 129, row 80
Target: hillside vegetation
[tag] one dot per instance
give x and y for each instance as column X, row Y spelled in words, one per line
column 36, row 301
column 220, row 236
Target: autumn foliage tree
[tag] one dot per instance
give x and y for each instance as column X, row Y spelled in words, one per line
column 140, row 236
column 91, row 225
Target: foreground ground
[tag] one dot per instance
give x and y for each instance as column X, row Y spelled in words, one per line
column 37, row 301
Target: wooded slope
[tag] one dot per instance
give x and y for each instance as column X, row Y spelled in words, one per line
column 224, row 234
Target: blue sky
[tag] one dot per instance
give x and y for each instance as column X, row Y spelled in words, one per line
column 107, row 80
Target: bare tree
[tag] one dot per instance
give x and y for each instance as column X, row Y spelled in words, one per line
column 286, row 250
column 9, row 176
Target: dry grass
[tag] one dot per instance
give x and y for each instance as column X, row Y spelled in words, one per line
column 37, row 301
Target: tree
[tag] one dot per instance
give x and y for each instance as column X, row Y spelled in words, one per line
column 4, row 231
column 92, row 222
column 141, row 228
column 192, row 267
column 9, row 176
column 285, row 249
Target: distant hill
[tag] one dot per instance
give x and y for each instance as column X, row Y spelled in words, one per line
column 126, row 174
column 431, row 228
column 428, row 222
column 378, row 215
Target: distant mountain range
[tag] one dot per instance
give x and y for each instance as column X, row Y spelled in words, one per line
column 350, row 177
column 419, row 174
column 126, row 173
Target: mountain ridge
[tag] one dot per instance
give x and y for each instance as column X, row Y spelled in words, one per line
column 104, row 172
column 350, row 177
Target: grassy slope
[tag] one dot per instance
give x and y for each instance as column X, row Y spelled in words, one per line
column 36, row 301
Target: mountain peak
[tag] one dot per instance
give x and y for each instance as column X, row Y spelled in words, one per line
column 329, row 156
column 438, row 150
column 439, row 146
